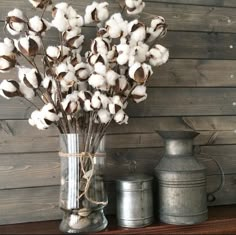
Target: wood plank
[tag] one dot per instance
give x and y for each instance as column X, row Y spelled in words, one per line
column 178, row 16
column 194, row 73
column 41, row 169
column 41, row 203
column 184, row 73
column 21, row 128
column 160, row 102
column 195, row 45
column 29, row 170
column 138, row 140
column 220, row 3
column 29, row 204
column 185, row 101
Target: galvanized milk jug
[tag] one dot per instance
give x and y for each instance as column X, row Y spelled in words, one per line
column 181, row 181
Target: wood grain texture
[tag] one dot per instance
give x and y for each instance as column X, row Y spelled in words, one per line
column 178, row 16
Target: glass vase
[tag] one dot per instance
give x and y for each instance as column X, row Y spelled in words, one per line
column 82, row 192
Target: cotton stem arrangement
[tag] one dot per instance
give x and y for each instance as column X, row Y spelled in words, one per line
column 81, row 93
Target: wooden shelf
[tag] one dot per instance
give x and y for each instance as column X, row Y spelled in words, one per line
column 222, row 220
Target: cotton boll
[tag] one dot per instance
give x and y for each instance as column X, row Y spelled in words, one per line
column 123, row 53
column 93, row 59
column 100, row 68
column 7, row 63
column 37, row 25
column 139, row 93
column 138, row 53
column 137, row 31
column 9, row 89
column 158, row 29
column 96, row 101
column 29, row 45
column 133, row 69
column 111, row 77
column 100, row 46
column 60, row 21
column 158, row 55
column 90, row 13
column 114, row 26
column 117, row 100
column 102, row 11
column 104, row 100
column 140, row 72
column 15, row 22
column 96, row 80
column 121, row 85
column 104, row 116
column 53, row 52
column 77, row 21
column 50, row 84
column 41, row 4
column 136, row 10
column 82, row 71
column 30, row 77
column 48, row 114
column 121, row 117
column 27, row 92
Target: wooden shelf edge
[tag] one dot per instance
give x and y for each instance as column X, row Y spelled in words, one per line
column 222, row 220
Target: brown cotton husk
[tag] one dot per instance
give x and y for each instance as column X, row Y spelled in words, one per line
column 139, row 76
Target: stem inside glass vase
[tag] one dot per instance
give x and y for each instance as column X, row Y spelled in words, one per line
column 82, row 194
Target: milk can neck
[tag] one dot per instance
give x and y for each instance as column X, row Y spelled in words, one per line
column 178, row 147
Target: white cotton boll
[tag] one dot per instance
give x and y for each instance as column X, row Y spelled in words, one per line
column 95, row 102
column 8, row 86
column 49, row 83
column 61, row 68
column 117, row 100
column 26, row 91
column 60, row 22
column 139, row 93
column 104, row 116
column 123, row 84
column 71, row 12
column 100, row 68
column 37, row 39
column 9, row 46
column 133, row 69
column 136, row 10
column 31, row 76
column 96, row 80
column 75, row 31
column 137, row 31
column 82, row 71
column 102, row 11
column 17, row 13
column 34, row 116
column 53, row 52
column 77, row 21
column 158, row 55
column 104, row 100
column 87, row 106
column 63, row 6
column 38, row 25
column 147, row 70
column 111, row 77
column 88, row 18
column 121, row 117
column 4, row 65
column 139, row 53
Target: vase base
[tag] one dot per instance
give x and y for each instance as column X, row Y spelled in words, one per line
column 73, row 223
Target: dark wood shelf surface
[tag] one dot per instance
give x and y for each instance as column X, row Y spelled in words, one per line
column 222, row 220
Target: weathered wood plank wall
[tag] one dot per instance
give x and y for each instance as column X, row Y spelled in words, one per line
column 194, row 90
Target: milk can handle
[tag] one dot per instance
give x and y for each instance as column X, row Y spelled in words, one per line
column 210, row 196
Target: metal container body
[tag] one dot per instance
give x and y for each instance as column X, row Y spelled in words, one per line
column 181, row 181
column 134, row 201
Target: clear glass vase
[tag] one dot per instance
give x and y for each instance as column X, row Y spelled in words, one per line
column 82, row 192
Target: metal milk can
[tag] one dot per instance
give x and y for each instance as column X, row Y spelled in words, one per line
column 134, row 201
column 181, row 181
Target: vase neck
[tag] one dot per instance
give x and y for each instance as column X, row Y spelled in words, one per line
column 175, row 147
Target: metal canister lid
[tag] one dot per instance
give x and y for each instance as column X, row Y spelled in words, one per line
column 134, row 182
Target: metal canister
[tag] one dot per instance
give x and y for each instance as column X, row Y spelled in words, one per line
column 181, row 179
column 134, row 201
